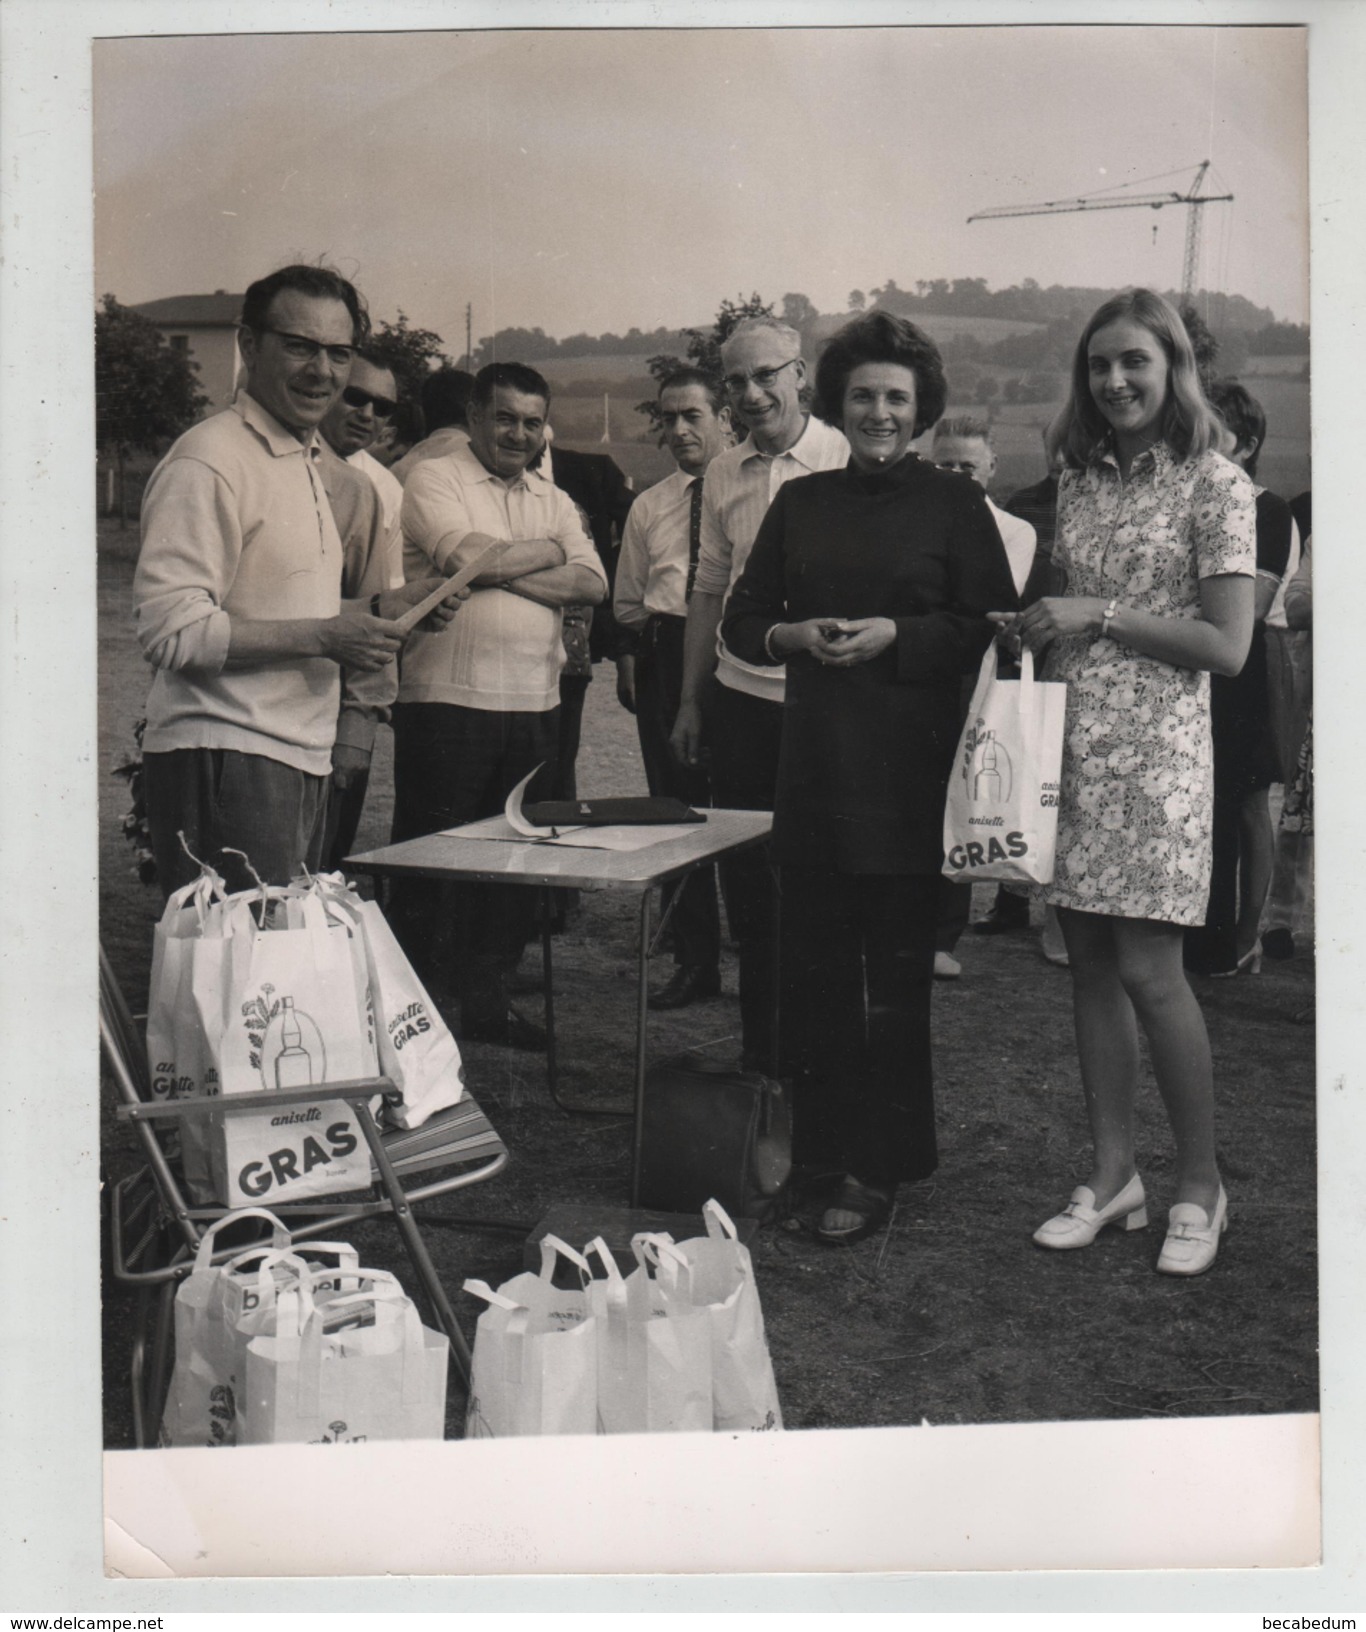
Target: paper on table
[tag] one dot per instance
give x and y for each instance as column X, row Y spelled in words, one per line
column 578, row 838
column 467, row 574
column 513, row 811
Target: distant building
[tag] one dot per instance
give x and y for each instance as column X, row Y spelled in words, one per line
column 204, row 327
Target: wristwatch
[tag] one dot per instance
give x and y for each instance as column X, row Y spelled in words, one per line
column 1106, row 616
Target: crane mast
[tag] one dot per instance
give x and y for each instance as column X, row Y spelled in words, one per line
column 1192, row 198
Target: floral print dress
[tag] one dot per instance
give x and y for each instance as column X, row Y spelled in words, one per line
column 1137, row 776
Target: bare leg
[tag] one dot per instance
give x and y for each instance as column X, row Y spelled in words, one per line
column 1107, row 1047
column 1256, row 851
column 1149, row 964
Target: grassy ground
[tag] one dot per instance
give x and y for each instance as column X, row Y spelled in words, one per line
column 951, row 1315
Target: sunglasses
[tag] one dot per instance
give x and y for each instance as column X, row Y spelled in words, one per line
column 354, row 397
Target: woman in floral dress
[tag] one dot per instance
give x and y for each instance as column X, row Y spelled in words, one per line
column 1156, row 545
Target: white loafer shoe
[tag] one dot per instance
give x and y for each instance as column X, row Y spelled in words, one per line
column 1080, row 1223
column 1192, row 1237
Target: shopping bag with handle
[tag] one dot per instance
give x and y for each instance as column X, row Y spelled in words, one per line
column 218, row 1310
column 654, row 1343
column 535, row 1363
column 1001, row 817
column 345, row 1367
column 296, row 1013
column 744, row 1393
column 417, row 1052
column 182, row 1042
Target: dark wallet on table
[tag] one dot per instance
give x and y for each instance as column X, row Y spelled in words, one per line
column 638, row 812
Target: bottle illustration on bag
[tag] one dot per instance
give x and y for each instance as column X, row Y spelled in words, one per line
column 285, row 1043
column 991, row 781
column 293, row 1064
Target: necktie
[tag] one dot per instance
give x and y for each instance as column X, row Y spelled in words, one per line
column 694, row 532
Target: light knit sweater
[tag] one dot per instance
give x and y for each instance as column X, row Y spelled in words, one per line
column 236, row 522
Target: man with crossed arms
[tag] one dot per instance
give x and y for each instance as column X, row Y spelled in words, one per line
column 478, row 703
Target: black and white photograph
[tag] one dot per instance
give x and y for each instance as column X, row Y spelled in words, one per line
column 701, row 696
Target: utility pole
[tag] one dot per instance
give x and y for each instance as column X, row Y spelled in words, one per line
column 469, row 349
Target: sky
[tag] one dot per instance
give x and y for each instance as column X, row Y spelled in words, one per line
column 589, row 181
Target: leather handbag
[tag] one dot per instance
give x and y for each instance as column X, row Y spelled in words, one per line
column 711, row 1132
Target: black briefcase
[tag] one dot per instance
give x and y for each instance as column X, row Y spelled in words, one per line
column 714, row 1133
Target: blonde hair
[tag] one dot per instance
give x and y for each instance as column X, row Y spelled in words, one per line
column 1190, row 426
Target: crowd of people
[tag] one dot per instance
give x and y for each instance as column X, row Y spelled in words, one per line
column 795, row 616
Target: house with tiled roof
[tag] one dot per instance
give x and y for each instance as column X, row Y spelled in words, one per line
column 204, row 327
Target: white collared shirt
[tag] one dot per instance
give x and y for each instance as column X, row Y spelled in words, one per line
column 501, row 652
column 390, row 492
column 739, row 488
column 1020, row 540
column 652, row 569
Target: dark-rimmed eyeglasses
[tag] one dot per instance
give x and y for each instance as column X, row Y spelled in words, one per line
column 354, row 397
column 764, row 378
column 300, row 349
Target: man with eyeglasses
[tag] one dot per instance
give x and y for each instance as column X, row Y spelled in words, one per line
column 266, row 679
column 732, row 709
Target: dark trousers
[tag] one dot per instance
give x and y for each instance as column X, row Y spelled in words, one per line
column 454, row 765
column 858, row 965
column 344, row 808
column 218, row 797
column 955, row 908
column 573, row 692
column 1214, row 944
column 696, row 922
column 743, row 736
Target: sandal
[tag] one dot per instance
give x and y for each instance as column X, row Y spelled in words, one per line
column 873, row 1207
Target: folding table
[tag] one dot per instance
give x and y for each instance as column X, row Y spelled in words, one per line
column 537, row 864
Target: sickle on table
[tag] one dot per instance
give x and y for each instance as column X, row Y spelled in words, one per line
column 467, row 574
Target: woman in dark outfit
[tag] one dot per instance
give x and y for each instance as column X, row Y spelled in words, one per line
column 1245, row 761
column 871, row 583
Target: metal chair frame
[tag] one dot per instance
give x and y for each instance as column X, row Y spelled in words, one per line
column 155, row 1232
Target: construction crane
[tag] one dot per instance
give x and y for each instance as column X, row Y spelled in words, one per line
column 1192, row 198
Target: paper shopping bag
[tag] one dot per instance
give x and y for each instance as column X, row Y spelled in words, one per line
column 535, row 1363
column 345, row 1369
column 182, row 1043
column 654, row 1345
column 1001, row 818
column 218, row 1310
column 744, row 1392
column 297, row 1014
column 416, row 1049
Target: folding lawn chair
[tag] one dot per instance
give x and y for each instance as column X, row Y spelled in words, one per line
column 154, row 1231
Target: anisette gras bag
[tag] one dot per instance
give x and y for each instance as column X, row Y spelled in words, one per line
column 295, row 991
column 654, row 1343
column 218, row 1310
column 416, row 1049
column 1001, row 817
column 721, row 1282
column 535, row 1364
column 344, row 1368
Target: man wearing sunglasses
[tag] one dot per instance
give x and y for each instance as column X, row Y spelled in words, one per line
column 267, row 681
column 728, row 707
column 350, row 427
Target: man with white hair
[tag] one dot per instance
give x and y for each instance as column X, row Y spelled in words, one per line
column 732, row 708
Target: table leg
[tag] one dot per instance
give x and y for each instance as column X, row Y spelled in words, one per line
column 642, row 1017
column 547, row 972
